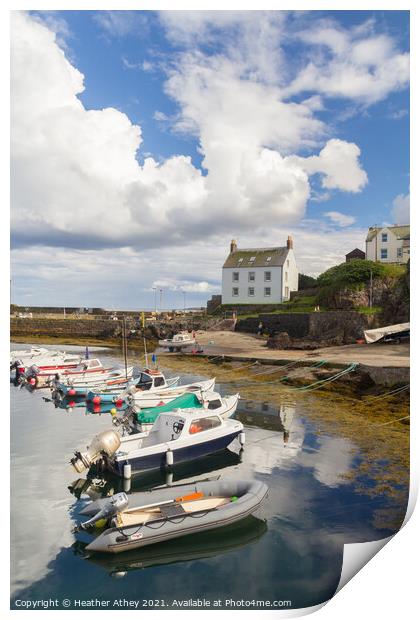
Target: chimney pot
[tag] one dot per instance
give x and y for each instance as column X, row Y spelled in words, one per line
column 233, row 246
column 289, row 243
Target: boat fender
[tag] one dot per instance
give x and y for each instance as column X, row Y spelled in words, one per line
column 169, row 457
column 127, row 471
column 242, row 438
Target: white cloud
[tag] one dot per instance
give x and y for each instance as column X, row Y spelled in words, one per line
column 401, row 209
column 338, row 163
column 76, row 182
column 355, row 64
column 340, row 218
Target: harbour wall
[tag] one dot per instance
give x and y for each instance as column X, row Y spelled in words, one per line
column 321, row 328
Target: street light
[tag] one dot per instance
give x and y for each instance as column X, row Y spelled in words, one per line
column 161, row 295
column 155, row 291
column 184, row 294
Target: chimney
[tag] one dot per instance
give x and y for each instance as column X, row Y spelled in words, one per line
column 233, row 246
column 289, row 243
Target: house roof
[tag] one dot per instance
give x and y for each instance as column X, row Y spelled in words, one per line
column 356, row 252
column 262, row 257
column 399, row 231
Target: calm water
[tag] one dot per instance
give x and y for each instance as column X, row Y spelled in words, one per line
column 292, row 550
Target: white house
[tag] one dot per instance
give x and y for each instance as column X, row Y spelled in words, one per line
column 388, row 244
column 259, row 275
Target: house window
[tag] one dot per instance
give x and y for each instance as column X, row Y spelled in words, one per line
column 235, row 291
column 384, row 253
column 384, row 237
column 285, row 276
column 251, row 291
column 267, row 276
column 399, row 252
column 251, row 276
column 235, row 276
column 267, row 291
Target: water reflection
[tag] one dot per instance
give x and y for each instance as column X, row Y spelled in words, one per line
column 193, row 547
column 311, row 511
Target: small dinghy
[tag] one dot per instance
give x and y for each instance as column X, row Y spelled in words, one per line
column 178, row 342
column 44, row 377
column 112, row 380
column 176, row 436
column 151, row 393
column 142, row 519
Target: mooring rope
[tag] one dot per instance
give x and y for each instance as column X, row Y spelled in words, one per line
column 391, row 422
column 278, row 368
column 316, row 384
column 277, row 381
column 391, row 393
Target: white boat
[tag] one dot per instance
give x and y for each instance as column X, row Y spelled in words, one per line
column 388, row 334
column 44, row 360
column 143, row 420
column 176, row 437
column 178, row 342
column 45, row 376
column 152, row 389
column 115, row 379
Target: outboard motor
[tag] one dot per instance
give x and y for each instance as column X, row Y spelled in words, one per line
column 106, row 442
column 115, row 504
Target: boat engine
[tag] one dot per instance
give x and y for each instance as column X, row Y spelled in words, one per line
column 106, row 442
column 115, row 504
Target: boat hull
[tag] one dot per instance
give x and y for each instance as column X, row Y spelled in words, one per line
column 249, row 497
column 180, row 455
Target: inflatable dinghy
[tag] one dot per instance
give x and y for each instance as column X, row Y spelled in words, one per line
column 142, row 519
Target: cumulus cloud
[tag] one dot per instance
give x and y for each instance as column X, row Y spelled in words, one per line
column 401, row 209
column 76, row 181
column 340, row 218
column 339, row 165
column 356, row 64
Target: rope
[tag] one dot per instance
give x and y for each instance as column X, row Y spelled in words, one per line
column 277, row 381
column 312, row 386
column 392, row 421
column 283, row 367
column 391, row 393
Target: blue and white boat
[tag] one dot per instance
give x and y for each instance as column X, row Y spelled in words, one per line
column 176, row 437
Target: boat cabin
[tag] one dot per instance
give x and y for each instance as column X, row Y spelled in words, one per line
column 150, row 379
column 180, row 338
column 90, row 364
column 172, row 426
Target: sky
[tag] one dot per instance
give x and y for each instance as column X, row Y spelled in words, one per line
column 142, row 142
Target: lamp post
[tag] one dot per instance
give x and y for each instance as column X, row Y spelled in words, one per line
column 184, row 294
column 155, row 291
column 160, row 297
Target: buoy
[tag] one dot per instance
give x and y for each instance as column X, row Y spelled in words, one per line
column 127, row 485
column 113, row 411
column 119, row 403
column 169, row 457
column 96, row 408
column 127, row 471
column 32, row 380
column 242, row 438
column 169, row 478
column 96, row 400
column 71, row 392
column 71, row 403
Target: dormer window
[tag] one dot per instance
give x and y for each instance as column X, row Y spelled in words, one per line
column 384, row 237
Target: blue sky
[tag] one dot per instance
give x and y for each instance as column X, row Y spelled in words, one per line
column 143, row 142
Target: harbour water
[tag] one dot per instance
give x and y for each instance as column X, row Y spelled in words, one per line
column 290, row 551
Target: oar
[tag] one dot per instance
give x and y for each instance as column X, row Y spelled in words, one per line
column 184, row 498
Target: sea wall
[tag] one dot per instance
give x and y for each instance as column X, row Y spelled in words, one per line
column 307, row 330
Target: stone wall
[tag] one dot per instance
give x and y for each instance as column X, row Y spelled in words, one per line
column 309, row 330
column 63, row 328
